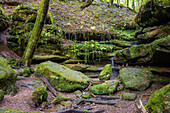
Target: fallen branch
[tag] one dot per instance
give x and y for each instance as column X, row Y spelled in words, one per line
column 87, row 4
column 95, row 101
column 50, row 88
column 80, row 111
column 140, row 106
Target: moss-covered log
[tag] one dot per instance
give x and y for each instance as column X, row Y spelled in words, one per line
column 38, row 26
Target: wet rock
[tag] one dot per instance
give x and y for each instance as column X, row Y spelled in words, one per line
column 129, row 96
column 159, row 100
column 58, row 99
column 8, row 76
column 108, row 87
column 3, row 22
column 153, row 12
column 61, row 77
column 1, row 95
column 157, row 52
column 39, row 95
column 106, row 72
column 135, row 78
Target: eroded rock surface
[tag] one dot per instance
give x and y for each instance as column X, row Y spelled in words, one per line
column 136, row 79
column 61, row 77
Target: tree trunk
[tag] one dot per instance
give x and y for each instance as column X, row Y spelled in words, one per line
column 38, row 26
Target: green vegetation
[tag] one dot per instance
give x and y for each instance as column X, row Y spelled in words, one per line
column 58, row 99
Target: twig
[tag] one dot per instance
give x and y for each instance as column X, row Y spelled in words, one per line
column 140, row 106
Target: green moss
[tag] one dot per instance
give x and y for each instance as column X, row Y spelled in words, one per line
column 58, row 99
column 109, row 87
column 7, row 76
column 156, row 103
column 106, row 72
column 61, row 77
column 39, row 95
column 135, row 78
column 1, row 95
column 86, row 95
column 8, row 110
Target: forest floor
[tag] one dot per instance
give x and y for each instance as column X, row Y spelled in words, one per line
column 21, row 101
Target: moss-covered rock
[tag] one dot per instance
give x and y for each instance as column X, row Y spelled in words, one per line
column 82, row 67
column 39, row 95
column 159, row 100
column 153, row 13
column 7, row 76
column 157, row 52
column 108, row 87
column 106, row 72
column 3, row 21
column 61, row 77
column 58, row 99
column 155, row 32
column 55, row 58
column 129, row 96
column 27, row 13
column 135, row 78
column 86, row 95
column 1, row 95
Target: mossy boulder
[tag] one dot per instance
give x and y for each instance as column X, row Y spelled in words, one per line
column 160, row 100
column 61, row 77
column 106, row 72
column 129, row 96
column 151, row 33
column 157, row 52
column 27, row 13
column 1, row 95
column 7, row 76
column 3, row 21
column 153, row 13
column 108, row 87
column 135, row 78
column 39, row 95
column 58, row 99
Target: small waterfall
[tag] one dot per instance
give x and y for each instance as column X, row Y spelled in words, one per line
column 115, row 72
column 113, row 65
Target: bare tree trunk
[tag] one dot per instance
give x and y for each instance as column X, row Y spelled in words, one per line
column 38, row 26
column 127, row 3
column 87, row 4
column 133, row 5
